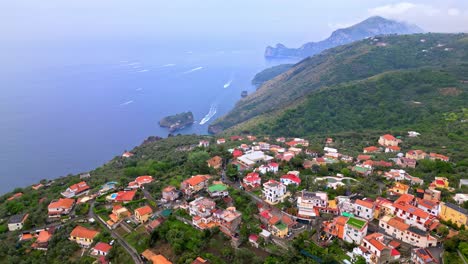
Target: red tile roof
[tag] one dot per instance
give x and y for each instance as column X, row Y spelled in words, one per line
column 79, row 187
column 144, row 210
column 144, row 179
column 237, row 153
column 64, row 203
column 197, row 179
column 125, row 196
column 292, row 177
column 388, row 137
column 365, row 203
column 83, row 232
column 103, row 247
column 371, row 149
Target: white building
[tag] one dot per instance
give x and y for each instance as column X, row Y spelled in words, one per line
column 364, row 209
column 250, row 158
column 308, row 201
column 274, row 192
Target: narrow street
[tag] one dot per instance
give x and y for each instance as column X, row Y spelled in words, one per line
column 133, row 253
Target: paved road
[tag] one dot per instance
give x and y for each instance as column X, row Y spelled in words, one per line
column 133, row 253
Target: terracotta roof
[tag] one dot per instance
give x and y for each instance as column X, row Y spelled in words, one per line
column 79, row 187
column 394, row 244
column 292, row 177
column 125, row 195
column 104, row 247
column 395, row 252
column 26, row 236
column 371, row 149
column 144, row 210
column 363, row 157
column 195, row 180
column 253, row 237
column 65, row 203
column 144, row 179
column 388, row 137
column 199, row 260
column 251, row 177
column 396, row 148
column 404, row 199
column 377, row 244
column 275, row 219
column 412, row 210
column 398, row 223
column 341, row 220
column 365, row 203
column 44, row 236
column 237, row 153
column 83, row 232
column 169, row 189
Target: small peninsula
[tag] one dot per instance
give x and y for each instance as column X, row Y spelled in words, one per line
column 177, row 121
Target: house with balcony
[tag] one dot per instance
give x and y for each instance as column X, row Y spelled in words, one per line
column 374, row 248
column 228, row 220
column 308, row 203
column 364, row 209
column 388, row 140
column 194, row 184
column 252, row 181
column 422, row 256
column 416, row 154
column 83, row 236
column 290, row 179
column 140, row 181
column 16, row 222
column 60, row 207
column 202, row 209
column 397, row 228
column 274, row 192
column 170, row 194
column 143, row 214
column 355, row 230
column 252, row 158
column 78, row 189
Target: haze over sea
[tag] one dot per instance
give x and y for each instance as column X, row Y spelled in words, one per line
column 69, row 108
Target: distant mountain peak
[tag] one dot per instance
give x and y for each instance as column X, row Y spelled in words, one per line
column 372, row 26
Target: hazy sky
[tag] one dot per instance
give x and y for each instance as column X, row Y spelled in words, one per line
column 289, row 21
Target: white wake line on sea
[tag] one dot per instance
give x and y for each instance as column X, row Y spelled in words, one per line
column 168, row 65
column 145, row 70
column 126, row 103
column 193, row 70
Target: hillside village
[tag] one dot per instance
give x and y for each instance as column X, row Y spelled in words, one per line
column 259, row 193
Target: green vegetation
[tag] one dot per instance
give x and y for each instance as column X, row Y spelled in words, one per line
column 357, row 61
column 270, row 73
column 178, row 121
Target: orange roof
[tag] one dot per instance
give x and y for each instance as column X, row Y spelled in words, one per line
column 79, row 187
column 14, row 196
column 412, row 210
column 371, row 149
column 65, row 203
column 26, row 236
column 404, row 199
column 396, row 148
column 377, row 244
column 104, row 247
column 44, row 236
column 199, row 260
column 160, row 259
column 83, row 232
column 125, row 195
column 144, row 179
column 275, row 219
column 195, row 180
column 388, row 137
column 169, row 189
column 398, row 223
column 364, row 203
column 144, row 210
column 341, row 220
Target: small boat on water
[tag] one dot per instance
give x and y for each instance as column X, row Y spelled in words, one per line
column 244, row 94
column 210, row 114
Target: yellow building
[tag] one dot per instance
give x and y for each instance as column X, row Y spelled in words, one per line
column 440, row 182
column 399, row 189
column 456, row 214
column 280, row 230
column 142, row 214
column 83, row 236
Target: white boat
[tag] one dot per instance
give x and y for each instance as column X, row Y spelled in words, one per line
column 210, row 114
column 226, row 85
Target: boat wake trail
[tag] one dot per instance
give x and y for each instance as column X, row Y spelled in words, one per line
column 210, row 114
column 226, row 85
column 168, row 65
column 126, row 103
column 193, row 70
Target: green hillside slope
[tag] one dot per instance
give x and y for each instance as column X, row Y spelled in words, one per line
column 347, row 63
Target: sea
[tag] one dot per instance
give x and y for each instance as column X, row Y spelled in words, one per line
column 68, row 107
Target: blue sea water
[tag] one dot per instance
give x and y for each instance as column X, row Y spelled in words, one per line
column 70, row 107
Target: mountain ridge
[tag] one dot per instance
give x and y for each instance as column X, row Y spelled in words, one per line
column 351, row 62
column 372, row 26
